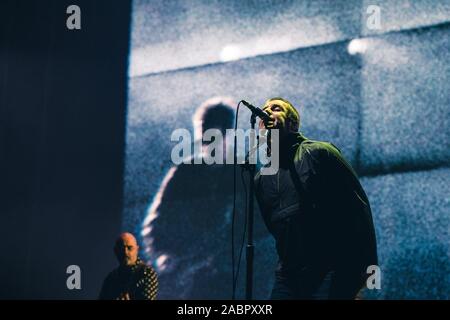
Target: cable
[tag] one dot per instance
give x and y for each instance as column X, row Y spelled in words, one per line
column 245, row 229
column 233, row 297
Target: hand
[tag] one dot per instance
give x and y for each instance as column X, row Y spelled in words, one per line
column 272, row 124
column 124, row 296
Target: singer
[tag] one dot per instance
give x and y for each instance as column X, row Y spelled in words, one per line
column 318, row 213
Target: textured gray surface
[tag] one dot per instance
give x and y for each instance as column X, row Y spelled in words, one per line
column 405, row 101
column 406, row 14
column 412, row 217
column 386, row 109
column 171, row 34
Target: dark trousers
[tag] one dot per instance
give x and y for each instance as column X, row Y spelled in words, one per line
column 317, row 284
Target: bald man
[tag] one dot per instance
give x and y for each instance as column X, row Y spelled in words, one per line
column 133, row 279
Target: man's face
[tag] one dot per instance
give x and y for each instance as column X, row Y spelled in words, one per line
column 126, row 250
column 279, row 111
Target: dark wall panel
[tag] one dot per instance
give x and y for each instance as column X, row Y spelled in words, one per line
column 62, row 137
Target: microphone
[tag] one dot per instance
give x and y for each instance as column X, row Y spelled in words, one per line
column 257, row 111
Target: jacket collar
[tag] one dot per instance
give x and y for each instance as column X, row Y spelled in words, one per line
column 289, row 146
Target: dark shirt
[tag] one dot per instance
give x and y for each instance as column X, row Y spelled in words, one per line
column 139, row 281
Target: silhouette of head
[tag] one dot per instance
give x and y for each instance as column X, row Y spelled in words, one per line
column 214, row 113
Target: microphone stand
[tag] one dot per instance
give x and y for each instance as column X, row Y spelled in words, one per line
column 251, row 168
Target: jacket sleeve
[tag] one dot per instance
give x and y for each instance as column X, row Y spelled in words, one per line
column 342, row 205
column 326, row 176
